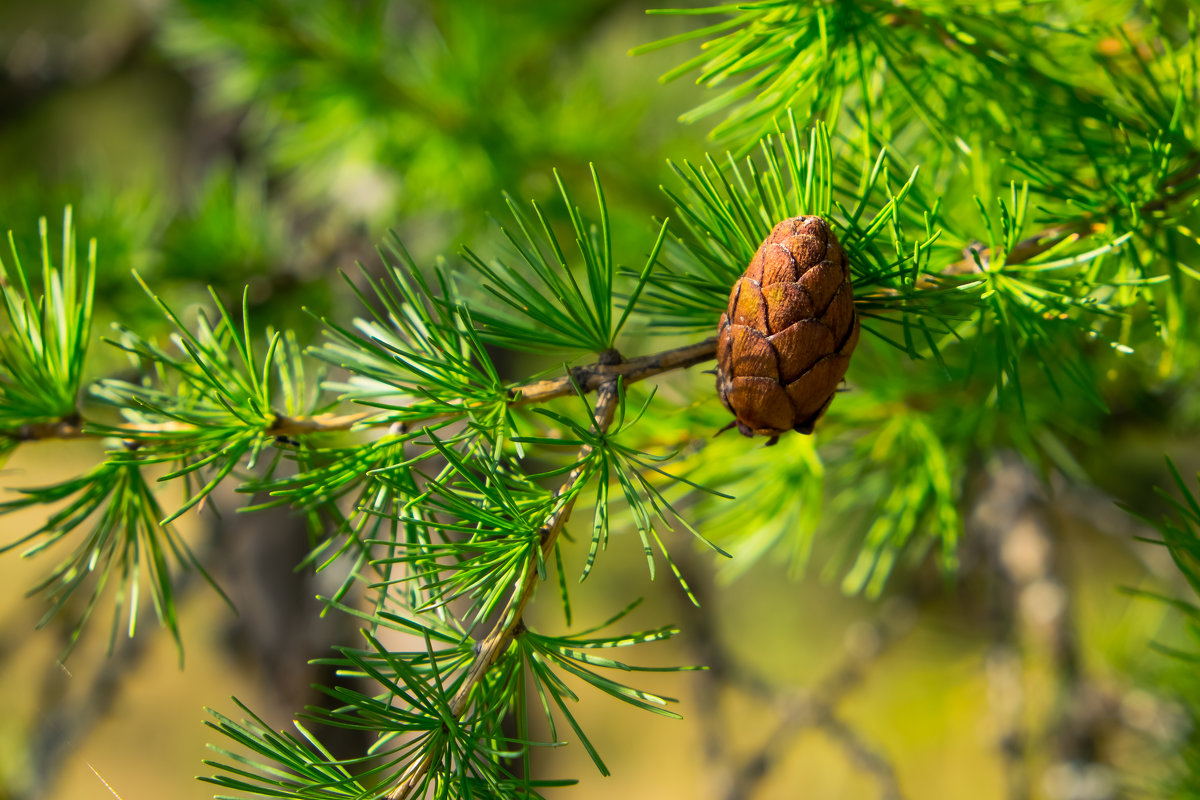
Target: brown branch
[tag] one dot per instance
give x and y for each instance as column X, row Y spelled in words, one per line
column 510, row 623
column 1086, row 225
column 65, row 428
column 1031, row 247
column 589, row 378
column 1028, row 249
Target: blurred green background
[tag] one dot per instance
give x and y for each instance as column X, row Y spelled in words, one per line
column 270, row 144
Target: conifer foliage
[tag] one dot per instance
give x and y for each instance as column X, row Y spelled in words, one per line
column 1015, row 188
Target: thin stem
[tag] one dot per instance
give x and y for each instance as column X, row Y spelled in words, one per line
column 592, row 377
column 1085, row 225
column 588, row 378
column 508, row 626
column 66, row 428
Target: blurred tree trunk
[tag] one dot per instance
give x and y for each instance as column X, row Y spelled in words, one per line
column 278, row 628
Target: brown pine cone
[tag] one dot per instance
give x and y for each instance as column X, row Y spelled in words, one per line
column 785, row 340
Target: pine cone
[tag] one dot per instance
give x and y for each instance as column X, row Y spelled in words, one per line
column 785, row 340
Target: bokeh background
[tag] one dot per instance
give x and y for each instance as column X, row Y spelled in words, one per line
column 271, row 144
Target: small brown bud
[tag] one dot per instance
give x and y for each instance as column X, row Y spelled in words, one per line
column 786, row 338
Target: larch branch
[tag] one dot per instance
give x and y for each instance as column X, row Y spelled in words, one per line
column 492, row 646
column 588, row 378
